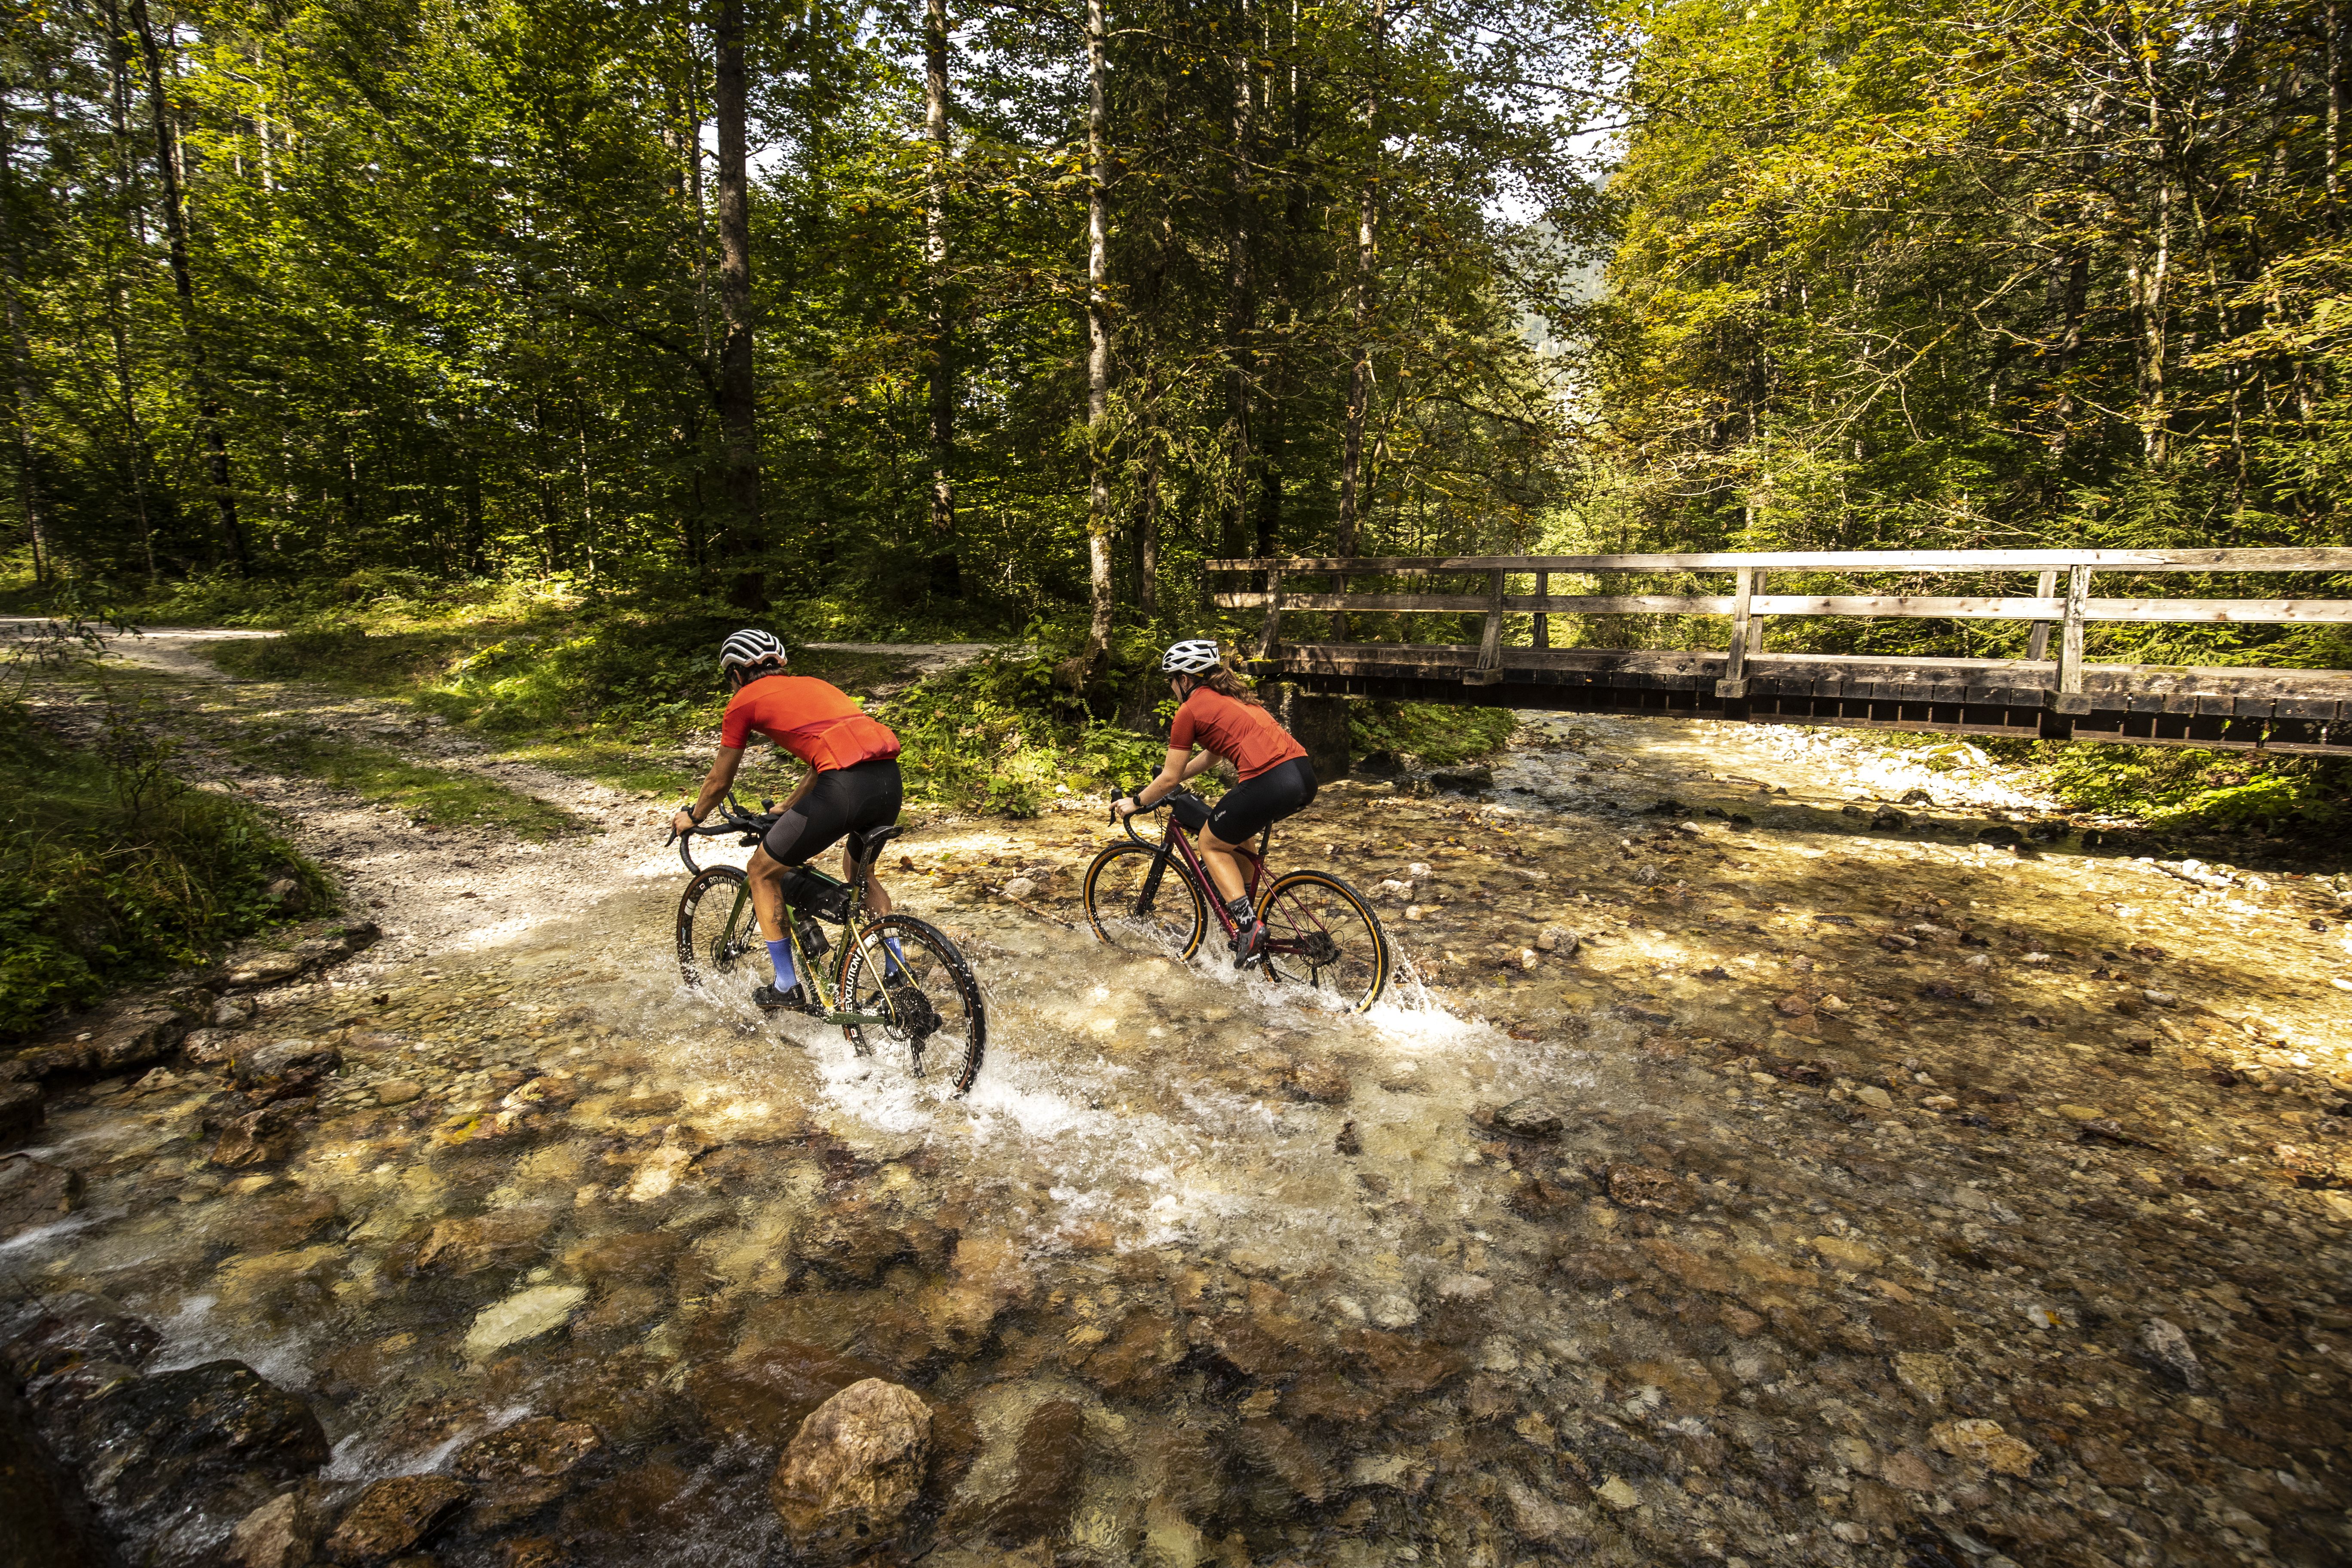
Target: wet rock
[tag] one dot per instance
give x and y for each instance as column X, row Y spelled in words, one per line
column 1316, row 1082
column 74, row 1329
column 262, row 1137
column 45, row 1522
column 21, row 1110
column 1531, row 1118
column 285, row 1067
column 1794, row 1005
column 1400, row 1364
column 1285, row 1456
column 854, row 1468
column 1982, row 1442
column 1558, row 940
column 398, row 1090
column 1887, row 819
column 1540, row 1519
column 2167, row 1350
column 1847, row 1254
column 525, row 1315
column 502, row 1238
column 1876, row 1098
column 33, row 1193
column 857, row 1238
column 1928, row 1377
column 1647, row 1187
column 281, row 1533
column 1463, row 781
column 1048, row 1466
column 765, row 1390
column 130, row 1034
column 394, row 1515
column 1347, row 1144
column 2000, row 835
column 174, row 1461
column 519, row 1469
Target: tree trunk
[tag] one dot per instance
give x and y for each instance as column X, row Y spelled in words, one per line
column 947, row 572
column 739, row 414
column 1241, row 304
column 175, row 231
column 1359, row 372
column 1091, row 661
column 21, row 394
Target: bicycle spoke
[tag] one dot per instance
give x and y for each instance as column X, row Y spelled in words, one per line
column 1321, row 935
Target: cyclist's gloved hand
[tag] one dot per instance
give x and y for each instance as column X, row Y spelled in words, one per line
column 683, row 822
column 1126, row 808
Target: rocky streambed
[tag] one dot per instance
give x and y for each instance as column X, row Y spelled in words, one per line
column 1754, row 1166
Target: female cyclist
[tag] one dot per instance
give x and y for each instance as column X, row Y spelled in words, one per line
column 853, row 784
column 1221, row 714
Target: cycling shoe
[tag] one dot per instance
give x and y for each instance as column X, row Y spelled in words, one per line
column 1249, row 945
column 768, row 999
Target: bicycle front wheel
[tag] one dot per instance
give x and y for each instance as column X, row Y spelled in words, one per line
column 718, row 936
column 1322, row 933
column 908, row 971
column 1140, row 901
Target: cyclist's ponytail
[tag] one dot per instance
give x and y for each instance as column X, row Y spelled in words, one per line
column 1227, row 680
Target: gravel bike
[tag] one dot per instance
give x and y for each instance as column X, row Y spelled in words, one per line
column 922, row 997
column 1143, row 897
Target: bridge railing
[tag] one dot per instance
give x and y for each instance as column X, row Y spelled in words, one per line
column 2062, row 600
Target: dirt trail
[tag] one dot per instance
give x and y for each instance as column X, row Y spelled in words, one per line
column 1849, row 1190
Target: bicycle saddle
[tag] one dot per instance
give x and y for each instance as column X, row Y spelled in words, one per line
column 867, row 844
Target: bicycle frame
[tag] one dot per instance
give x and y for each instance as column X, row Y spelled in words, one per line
column 1177, row 845
column 827, row 989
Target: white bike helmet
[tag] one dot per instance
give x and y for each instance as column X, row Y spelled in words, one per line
column 750, row 646
column 1195, row 656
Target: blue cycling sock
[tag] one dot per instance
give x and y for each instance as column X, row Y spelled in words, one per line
column 779, row 953
column 896, row 964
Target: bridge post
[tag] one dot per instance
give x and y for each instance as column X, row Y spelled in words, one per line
column 2037, row 646
column 1489, row 670
column 1733, row 687
column 1543, row 635
column 2067, row 701
column 1320, row 724
column 1271, row 633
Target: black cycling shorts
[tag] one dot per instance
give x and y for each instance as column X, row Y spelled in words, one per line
column 841, row 802
column 1248, row 809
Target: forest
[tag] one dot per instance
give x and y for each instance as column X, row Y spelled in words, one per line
column 509, row 351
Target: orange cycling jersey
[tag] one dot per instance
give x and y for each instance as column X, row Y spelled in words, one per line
column 1242, row 732
column 811, row 718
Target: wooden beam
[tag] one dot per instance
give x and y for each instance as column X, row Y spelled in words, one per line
column 2314, row 560
column 1490, row 669
column 2250, row 611
column 1541, row 634
column 2037, row 646
column 1734, row 684
column 2299, row 612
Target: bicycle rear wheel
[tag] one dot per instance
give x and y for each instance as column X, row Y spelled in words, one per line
column 717, row 938
column 1138, row 913
column 1322, row 933
column 934, row 1006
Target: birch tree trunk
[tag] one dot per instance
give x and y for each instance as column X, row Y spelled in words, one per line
column 1241, row 304
column 175, row 232
column 946, row 567
column 1097, row 654
column 739, row 414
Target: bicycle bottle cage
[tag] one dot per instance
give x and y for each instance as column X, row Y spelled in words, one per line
column 814, row 893
column 1189, row 810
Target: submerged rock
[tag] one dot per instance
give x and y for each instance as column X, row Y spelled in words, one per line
column 1530, row 1118
column 519, row 1469
column 33, row 1193
column 525, row 1315
column 854, row 1468
column 281, row 1533
column 393, row 1515
column 1047, row 1467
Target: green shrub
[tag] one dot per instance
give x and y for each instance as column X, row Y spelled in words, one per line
column 1438, row 734
column 2181, row 788
column 111, row 869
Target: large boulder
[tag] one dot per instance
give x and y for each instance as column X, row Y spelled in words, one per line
column 174, row 1461
column 519, row 1469
column 393, row 1515
column 33, row 1193
column 854, row 1468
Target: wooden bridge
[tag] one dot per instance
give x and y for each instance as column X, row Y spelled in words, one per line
column 2066, row 697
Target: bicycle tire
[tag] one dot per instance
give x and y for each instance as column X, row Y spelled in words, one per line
column 935, row 969
column 1114, row 881
column 715, row 936
column 1322, row 933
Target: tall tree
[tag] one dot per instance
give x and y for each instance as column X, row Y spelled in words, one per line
column 946, row 573
column 738, row 391
column 1368, row 263
column 208, row 410
column 1102, row 588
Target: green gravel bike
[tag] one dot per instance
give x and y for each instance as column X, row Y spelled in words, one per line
column 893, row 983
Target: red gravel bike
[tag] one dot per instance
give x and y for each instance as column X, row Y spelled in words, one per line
column 1321, row 933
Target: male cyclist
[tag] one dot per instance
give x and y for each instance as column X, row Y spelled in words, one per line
column 1218, row 711
column 853, row 784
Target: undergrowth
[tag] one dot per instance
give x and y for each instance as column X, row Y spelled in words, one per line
column 1437, row 735
column 113, row 868
column 441, row 797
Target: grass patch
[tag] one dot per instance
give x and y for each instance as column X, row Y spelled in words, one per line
column 991, row 737
column 1438, row 734
column 111, row 870
column 440, row 797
